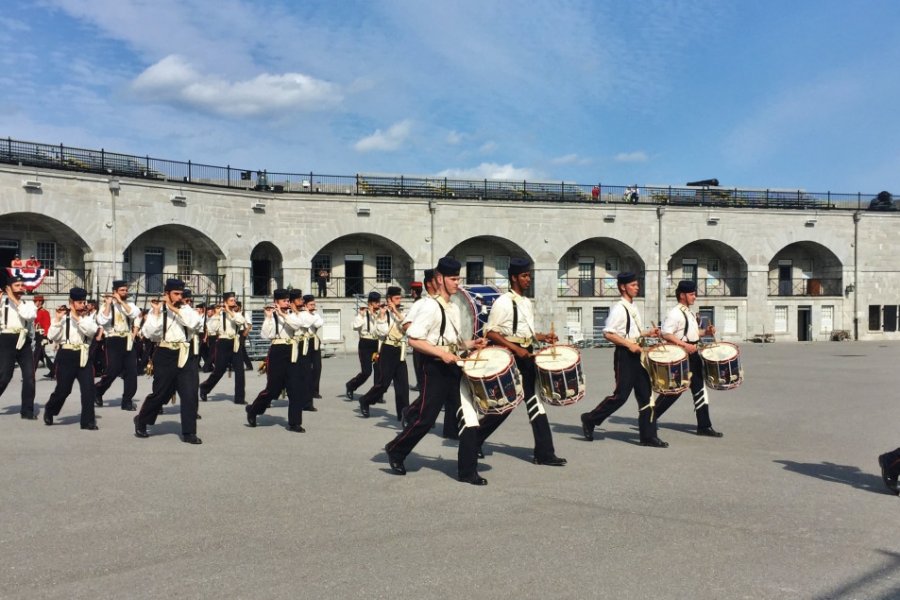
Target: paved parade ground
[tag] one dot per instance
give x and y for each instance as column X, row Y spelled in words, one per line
column 789, row 504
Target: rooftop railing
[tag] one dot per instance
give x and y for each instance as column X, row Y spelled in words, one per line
column 115, row 164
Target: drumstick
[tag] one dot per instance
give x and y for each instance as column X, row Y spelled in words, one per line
column 553, row 345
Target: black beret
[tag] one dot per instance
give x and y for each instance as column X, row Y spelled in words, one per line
column 448, row 266
column 686, row 287
column 394, row 291
column 429, row 275
column 174, row 285
column 187, row 294
column 308, row 298
column 77, row 293
column 281, row 294
column 517, row 266
column 11, row 279
column 200, row 305
column 117, row 283
column 228, row 295
column 626, row 277
column 295, row 293
column 374, row 297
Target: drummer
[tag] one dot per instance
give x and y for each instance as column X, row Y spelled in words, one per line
column 510, row 325
column 623, row 328
column 681, row 329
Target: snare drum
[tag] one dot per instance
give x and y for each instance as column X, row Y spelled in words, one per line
column 494, row 380
column 722, row 364
column 474, row 303
column 559, row 374
column 669, row 368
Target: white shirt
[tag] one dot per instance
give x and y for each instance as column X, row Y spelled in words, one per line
column 501, row 316
column 675, row 320
column 389, row 327
column 310, row 322
column 427, row 323
column 175, row 325
column 365, row 323
column 287, row 326
column 79, row 333
column 225, row 325
column 410, row 315
column 117, row 321
column 17, row 317
column 617, row 321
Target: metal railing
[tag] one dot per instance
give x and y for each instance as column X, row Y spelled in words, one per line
column 200, row 284
column 501, row 283
column 349, row 287
column 115, row 164
column 814, row 286
column 60, row 281
column 596, row 287
column 716, row 286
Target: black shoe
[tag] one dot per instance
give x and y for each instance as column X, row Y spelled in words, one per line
column 404, row 418
column 48, row 420
column 202, row 396
column 349, row 391
column 310, row 408
column 296, row 428
column 587, row 428
column 479, row 453
column 246, row 368
column 553, row 461
column 708, row 432
column 317, row 396
column 90, row 427
column 396, row 463
column 190, row 438
column 363, row 408
column 654, row 442
column 474, row 480
column 29, row 416
column 889, row 480
column 98, row 401
column 414, row 388
column 140, row 430
column 240, row 402
column 381, row 401
column 128, row 406
column 198, row 416
column 251, row 418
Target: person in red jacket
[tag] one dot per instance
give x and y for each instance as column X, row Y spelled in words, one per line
column 41, row 326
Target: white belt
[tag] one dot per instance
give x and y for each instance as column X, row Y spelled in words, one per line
column 522, row 341
column 182, row 348
column 284, row 342
column 19, row 331
column 82, row 348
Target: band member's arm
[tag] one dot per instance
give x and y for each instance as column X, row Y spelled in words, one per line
column 426, row 347
column 55, row 332
column 152, row 328
column 360, row 319
column 87, row 326
column 676, row 340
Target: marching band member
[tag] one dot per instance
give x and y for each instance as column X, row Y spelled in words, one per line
column 117, row 318
column 391, row 356
column 364, row 324
column 74, row 329
column 16, row 326
column 428, row 282
column 227, row 326
column 511, row 326
column 280, row 325
column 623, row 328
column 681, row 329
column 172, row 324
column 435, row 333
column 310, row 349
column 193, row 363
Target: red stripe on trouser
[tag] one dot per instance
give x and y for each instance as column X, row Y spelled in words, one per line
column 412, row 424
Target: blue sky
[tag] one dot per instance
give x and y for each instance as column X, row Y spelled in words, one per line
column 799, row 94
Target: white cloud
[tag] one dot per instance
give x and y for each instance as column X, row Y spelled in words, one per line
column 631, row 157
column 454, row 138
column 488, row 147
column 570, row 159
column 173, row 80
column 391, row 139
column 505, row 172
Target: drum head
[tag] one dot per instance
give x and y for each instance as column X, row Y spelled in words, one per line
column 491, row 361
column 474, row 303
column 666, row 353
column 557, row 358
column 719, row 352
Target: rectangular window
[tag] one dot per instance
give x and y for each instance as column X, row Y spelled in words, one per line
column 384, row 271
column 781, row 319
column 126, row 260
column 827, row 319
column 332, row 328
column 600, row 314
column 612, row 265
column 185, row 265
column 46, row 254
column 890, row 317
column 573, row 317
column 321, row 261
column 474, row 270
column 501, row 272
column 874, row 317
column 689, row 269
column 731, row 319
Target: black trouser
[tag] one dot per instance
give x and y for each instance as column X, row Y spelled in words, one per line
column 440, row 382
column 697, row 391
column 98, row 356
column 226, row 357
column 40, row 352
column 540, row 425
column 119, row 361
column 147, row 349
column 893, row 463
column 305, row 366
column 281, row 374
column 316, row 356
column 630, row 375
column 68, row 369
column 418, row 366
column 390, row 369
column 365, row 350
column 9, row 356
column 206, row 356
column 168, row 379
column 244, row 356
